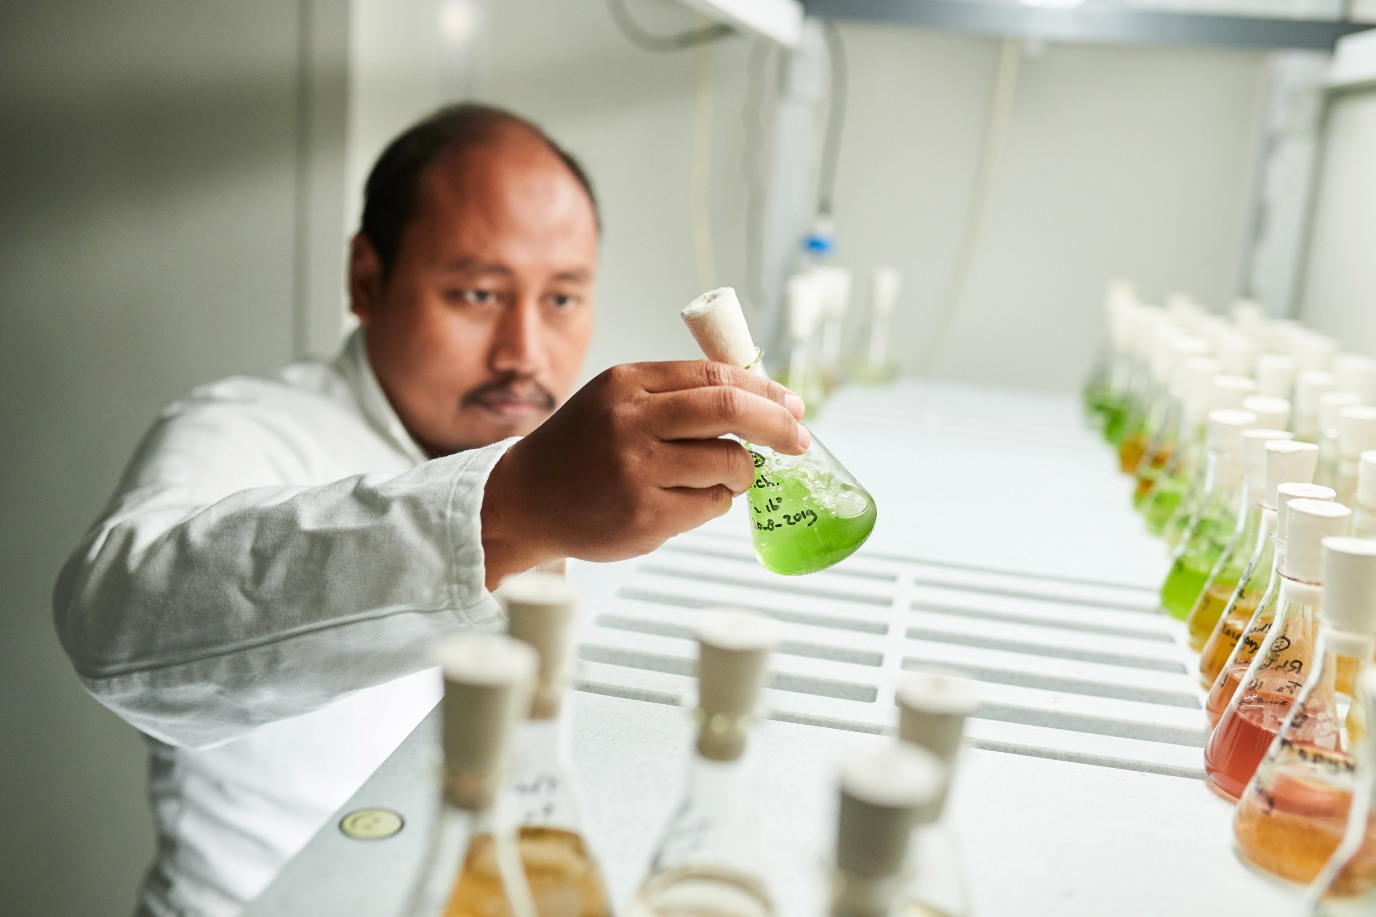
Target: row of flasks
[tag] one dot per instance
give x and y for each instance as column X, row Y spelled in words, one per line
column 513, row 838
column 1251, row 447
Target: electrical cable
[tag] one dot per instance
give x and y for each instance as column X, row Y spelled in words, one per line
column 753, row 172
column 836, row 116
column 1000, row 113
column 700, row 172
column 661, row 44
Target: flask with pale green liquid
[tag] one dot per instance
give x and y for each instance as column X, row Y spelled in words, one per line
column 807, row 511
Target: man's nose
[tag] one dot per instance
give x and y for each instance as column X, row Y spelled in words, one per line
column 517, row 342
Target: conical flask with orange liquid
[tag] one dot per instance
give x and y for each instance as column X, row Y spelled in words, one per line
column 1268, row 689
column 1292, row 815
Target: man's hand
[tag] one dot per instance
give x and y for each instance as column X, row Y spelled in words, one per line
column 632, row 459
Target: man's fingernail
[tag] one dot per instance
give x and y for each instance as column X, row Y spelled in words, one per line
column 794, row 404
column 804, row 438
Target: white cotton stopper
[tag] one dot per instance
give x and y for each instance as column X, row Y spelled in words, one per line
column 1162, row 353
column 1356, row 373
column 1349, row 586
column 1313, row 350
column 1225, row 430
column 487, row 684
column 932, row 709
column 718, row 325
column 1248, row 314
column 1198, row 387
column 836, row 281
column 1213, row 328
column 1184, row 350
column 1254, row 458
column 733, row 661
column 884, row 286
column 1308, row 523
column 1366, row 480
column 882, row 789
column 1183, row 310
column 1271, row 412
column 1231, row 391
column 1237, row 353
column 542, row 612
column 1144, row 322
column 1289, row 462
column 1356, row 431
column 1309, row 387
column 807, row 296
column 1275, row 375
column 1331, row 405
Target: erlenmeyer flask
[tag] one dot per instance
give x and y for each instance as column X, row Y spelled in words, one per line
column 709, row 861
column 1364, row 507
column 472, row 867
column 1232, row 563
column 876, row 365
column 550, row 820
column 1188, row 384
column 1293, row 813
column 1228, row 395
column 1142, row 322
column 1346, row 886
column 1158, row 493
column 806, row 297
column 1356, row 434
column 1286, row 462
column 1214, row 522
column 836, row 282
column 1267, row 690
column 1161, row 356
column 807, row 511
column 882, row 789
column 933, row 708
column 1309, row 388
column 1331, row 406
column 1106, row 389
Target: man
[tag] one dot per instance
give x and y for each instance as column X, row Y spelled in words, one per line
column 260, row 594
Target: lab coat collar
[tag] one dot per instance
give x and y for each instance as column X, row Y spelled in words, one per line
column 352, row 363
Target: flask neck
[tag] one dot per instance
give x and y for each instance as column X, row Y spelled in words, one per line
column 854, row 895
column 1297, row 598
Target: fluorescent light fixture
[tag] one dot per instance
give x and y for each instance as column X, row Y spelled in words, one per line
column 780, row 21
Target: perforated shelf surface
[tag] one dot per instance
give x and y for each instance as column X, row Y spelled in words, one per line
column 1005, row 551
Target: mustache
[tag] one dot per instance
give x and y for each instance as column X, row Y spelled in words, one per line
column 511, row 387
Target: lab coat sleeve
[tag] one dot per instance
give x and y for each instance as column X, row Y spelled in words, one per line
column 197, row 620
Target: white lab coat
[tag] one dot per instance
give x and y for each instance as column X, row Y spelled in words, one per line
column 258, row 598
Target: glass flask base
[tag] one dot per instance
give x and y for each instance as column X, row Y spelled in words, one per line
column 563, row 878
column 701, row 892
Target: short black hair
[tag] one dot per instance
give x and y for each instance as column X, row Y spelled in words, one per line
column 391, row 194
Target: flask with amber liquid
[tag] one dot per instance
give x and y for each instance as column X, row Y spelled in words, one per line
column 1346, row 886
column 1292, row 815
column 472, row 865
column 551, row 823
column 1252, row 632
column 1286, row 462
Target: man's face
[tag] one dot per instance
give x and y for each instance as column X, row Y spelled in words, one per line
column 481, row 329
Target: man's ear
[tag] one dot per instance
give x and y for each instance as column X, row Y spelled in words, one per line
column 365, row 278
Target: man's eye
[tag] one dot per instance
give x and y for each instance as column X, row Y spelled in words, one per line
column 478, row 297
column 563, row 300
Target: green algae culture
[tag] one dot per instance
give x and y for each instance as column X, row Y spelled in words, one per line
column 804, row 517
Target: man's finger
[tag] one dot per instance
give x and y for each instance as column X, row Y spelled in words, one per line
column 693, row 506
column 674, row 376
column 706, row 413
column 701, row 463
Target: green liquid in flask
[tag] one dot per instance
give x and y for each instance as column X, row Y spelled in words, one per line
column 803, row 518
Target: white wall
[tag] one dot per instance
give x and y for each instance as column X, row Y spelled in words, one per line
column 146, row 246
column 1119, row 161
column 1340, row 279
